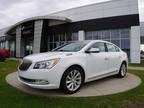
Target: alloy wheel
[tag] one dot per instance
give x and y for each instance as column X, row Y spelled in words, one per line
column 73, row 80
column 123, row 70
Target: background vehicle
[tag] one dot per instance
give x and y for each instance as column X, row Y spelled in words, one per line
column 4, row 54
column 69, row 66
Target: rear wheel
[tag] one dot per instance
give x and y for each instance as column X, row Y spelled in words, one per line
column 72, row 80
column 122, row 71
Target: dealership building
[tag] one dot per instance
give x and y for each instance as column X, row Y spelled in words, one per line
column 116, row 21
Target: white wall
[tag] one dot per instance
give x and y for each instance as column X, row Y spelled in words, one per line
column 18, row 41
column 81, row 35
column 135, row 44
column 7, row 45
column 101, row 10
column 37, row 36
column 142, row 29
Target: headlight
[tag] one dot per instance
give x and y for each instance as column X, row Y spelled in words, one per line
column 46, row 64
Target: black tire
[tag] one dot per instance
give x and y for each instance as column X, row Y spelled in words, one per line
column 65, row 78
column 122, row 71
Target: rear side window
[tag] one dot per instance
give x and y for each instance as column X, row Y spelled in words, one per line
column 111, row 48
column 100, row 46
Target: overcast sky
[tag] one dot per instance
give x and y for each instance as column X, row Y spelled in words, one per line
column 12, row 11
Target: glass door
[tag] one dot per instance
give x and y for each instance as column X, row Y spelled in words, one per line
column 12, row 48
column 28, row 49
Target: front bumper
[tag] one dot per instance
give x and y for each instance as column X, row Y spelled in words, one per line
column 48, row 86
column 52, row 76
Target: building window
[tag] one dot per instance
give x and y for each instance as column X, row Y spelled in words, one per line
column 2, row 45
column 116, row 42
column 56, row 40
column 12, row 48
column 125, row 33
column 74, row 36
column 115, row 34
column 119, row 37
column 89, row 35
column 96, row 35
column 125, row 44
column 106, row 35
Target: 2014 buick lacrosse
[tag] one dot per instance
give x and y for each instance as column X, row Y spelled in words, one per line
column 70, row 66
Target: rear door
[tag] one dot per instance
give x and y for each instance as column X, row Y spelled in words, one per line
column 114, row 58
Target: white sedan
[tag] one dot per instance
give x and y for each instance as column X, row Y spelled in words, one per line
column 69, row 66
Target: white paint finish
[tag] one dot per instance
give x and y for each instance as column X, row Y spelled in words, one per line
column 135, row 44
column 88, row 61
column 98, row 61
column 37, row 36
column 101, row 10
column 81, row 35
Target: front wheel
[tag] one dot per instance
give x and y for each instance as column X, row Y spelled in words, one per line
column 122, row 71
column 72, row 80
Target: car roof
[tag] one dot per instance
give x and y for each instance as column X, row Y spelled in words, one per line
column 95, row 41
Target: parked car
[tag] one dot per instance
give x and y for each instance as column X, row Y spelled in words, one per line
column 4, row 54
column 69, row 66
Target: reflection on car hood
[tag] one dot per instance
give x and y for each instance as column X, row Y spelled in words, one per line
column 47, row 56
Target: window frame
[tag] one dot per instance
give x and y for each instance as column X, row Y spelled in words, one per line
column 117, row 49
column 95, row 43
column 113, row 46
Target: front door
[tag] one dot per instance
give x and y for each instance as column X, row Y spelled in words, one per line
column 97, row 62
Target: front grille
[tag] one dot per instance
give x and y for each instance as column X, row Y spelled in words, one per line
column 25, row 64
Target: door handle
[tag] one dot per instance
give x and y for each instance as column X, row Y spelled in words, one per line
column 106, row 58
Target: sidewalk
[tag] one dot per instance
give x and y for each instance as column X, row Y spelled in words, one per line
column 136, row 68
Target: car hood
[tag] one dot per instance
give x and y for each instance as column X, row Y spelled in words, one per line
column 47, row 56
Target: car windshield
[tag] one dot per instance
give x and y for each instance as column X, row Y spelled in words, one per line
column 72, row 47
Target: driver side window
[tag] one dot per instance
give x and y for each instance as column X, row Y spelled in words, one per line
column 100, row 46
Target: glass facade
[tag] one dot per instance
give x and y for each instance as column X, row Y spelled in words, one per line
column 120, row 37
column 56, row 40
column 12, row 48
column 2, row 45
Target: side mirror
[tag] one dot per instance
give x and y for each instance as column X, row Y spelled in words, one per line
column 93, row 50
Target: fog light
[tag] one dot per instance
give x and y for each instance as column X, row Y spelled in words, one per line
column 41, row 82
